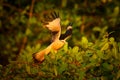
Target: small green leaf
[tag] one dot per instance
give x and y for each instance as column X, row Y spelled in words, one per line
column 28, row 69
column 32, row 20
column 100, row 54
column 62, row 68
column 75, row 49
column 81, row 75
column 55, row 71
column 107, row 66
column 84, row 42
column 114, row 50
column 97, row 29
column 94, row 56
column 37, row 46
column 112, row 39
column 65, row 47
column 28, row 31
column 105, row 47
column 116, row 11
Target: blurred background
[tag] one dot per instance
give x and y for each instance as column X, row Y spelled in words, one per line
column 21, row 27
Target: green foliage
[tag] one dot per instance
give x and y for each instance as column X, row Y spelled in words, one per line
column 99, row 60
column 87, row 55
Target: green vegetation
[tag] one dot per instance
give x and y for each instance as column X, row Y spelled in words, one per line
column 92, row 52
